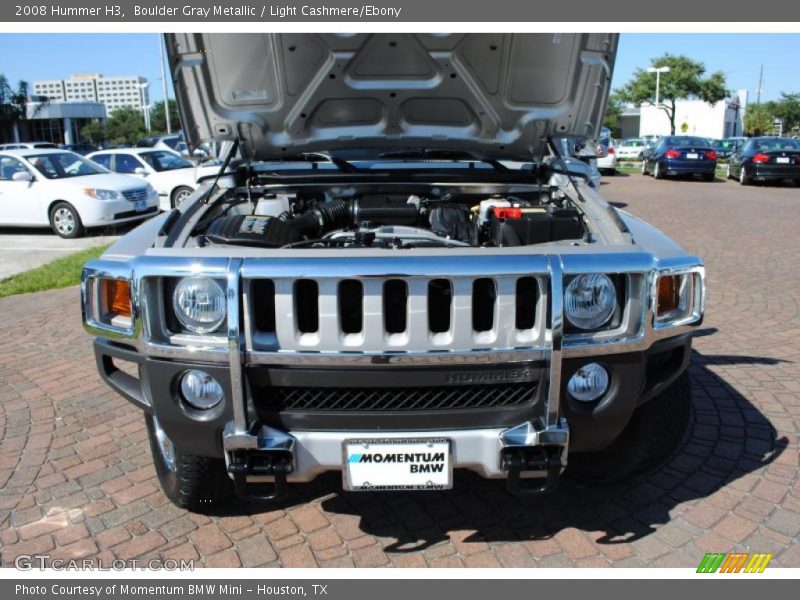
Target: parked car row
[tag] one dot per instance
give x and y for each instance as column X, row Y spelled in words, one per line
column 41, row 186
column 754, row 159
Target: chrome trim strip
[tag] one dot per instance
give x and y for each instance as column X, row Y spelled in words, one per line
column 394, row 267
column 235, row 342
column 556, row 292
column 359, row 359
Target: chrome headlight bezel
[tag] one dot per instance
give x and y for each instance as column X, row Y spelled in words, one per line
column 594, row 283
column 211, row 292
column 691, row 298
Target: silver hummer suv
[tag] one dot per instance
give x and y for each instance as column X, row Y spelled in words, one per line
column 403, row 267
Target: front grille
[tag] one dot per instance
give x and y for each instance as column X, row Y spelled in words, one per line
column 136, row 213
column 135, row 195
column 403, row 314
column 279, row 399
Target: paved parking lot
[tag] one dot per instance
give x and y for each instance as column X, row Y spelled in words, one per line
column 23, row 249
column 77, row 480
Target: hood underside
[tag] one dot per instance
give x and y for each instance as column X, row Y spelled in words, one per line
column 492, row 95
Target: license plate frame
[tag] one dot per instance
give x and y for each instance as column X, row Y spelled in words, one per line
column 782, row 160
column 360, row 475
column 692, row 156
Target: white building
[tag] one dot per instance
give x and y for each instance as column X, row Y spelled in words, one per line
column 113, row 92
column 695, row 117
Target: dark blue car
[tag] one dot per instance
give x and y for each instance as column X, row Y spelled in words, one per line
column 680, row 155
column 766, row 159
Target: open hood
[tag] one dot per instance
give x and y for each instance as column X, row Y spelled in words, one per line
column 491, row 95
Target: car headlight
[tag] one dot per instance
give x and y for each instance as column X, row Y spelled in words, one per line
column 103, row 194
column 199, row 304
column 590, row 300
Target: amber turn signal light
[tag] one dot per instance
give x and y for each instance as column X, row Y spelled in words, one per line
column 116, row 295
column 669, row 290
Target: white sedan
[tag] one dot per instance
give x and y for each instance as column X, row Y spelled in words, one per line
column 173, row 176
column 631, row 149
column 64, row 190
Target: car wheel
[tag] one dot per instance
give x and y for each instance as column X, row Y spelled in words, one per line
column 65, row 221
column 644, row 167
column 744, row 178
column 189, row 481
column 654, row 432
column 180, row 194
column 657, row 173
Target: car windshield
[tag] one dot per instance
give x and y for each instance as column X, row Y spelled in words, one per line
column 776, row 144
column 633, row 143
column 172, row 142
column 164, row 161
column 685, row 140
column 61, row 165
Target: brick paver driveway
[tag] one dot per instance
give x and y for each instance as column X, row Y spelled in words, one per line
column 77, row 480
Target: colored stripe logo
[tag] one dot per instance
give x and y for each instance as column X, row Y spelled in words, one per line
column 736, row 562
column 354, row 458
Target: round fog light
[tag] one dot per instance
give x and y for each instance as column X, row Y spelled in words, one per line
column 200, row 390
column 588, row 383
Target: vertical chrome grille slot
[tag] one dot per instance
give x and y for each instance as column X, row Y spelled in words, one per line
column 527, row 295
column 484, row 295
column 395, row 306
column 440, row 300
column 263, row 306
column 351, row 306
column 306, row 305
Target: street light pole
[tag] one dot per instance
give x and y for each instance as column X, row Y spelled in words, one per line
column 164, row 83
column 658, row 71
column 145, row 105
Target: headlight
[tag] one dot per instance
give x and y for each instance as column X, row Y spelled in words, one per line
column 199, row 304
column 103, row 194
column 590, row 300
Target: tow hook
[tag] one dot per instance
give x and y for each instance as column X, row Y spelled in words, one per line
column 276, row 463
column 517, row 460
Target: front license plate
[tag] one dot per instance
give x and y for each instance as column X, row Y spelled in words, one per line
column 782, row 160
column 692, row 155
column 140, row 205
column 373, row 465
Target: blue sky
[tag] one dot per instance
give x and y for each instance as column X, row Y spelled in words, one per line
column 46, row 56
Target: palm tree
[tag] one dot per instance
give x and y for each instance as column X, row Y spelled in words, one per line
column 13, row 107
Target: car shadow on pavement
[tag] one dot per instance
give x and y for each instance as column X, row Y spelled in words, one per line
column 728, row 438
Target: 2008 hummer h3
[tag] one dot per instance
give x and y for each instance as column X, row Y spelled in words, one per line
column 402, row 268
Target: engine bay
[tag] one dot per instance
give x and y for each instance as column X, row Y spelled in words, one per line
column 372, row 217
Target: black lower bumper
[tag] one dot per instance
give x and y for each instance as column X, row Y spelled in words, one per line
column 635, row 378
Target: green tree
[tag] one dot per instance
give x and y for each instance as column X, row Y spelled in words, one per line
column 94, row 132
column 158, row 118
column 124, row 126
column 614, row 110
column 685, row 79
column 13, row 106
column 787, row 109
column 759, row 119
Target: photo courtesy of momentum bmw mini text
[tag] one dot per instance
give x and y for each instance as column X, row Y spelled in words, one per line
column 295, row 296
